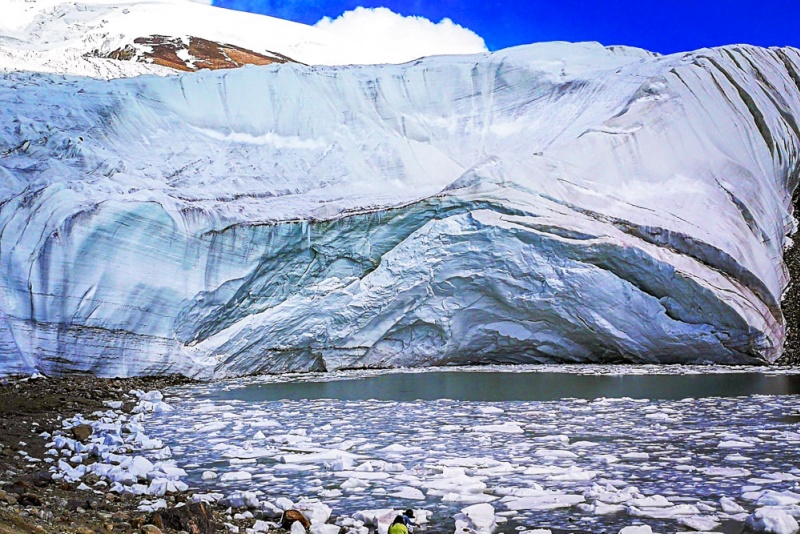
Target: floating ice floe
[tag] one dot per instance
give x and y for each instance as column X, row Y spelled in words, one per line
column 476, row 519
column 409, row 494
column 555, row 453
column 772, row 520
column 544, row 501
column 778, row 498
column 318, row 457
column 733, row 444
column 573, row 474
column 635, row 467
column 504, row 428
column 670, row 512
column 700, row 523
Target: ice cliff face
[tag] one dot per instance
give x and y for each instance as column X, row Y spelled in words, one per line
column 544, row 203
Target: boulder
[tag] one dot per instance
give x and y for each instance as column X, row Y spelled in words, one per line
column 294, row 516
column 194, row 518
column 82, row 432
column 30, row 499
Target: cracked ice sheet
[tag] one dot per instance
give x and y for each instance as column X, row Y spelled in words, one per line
column 606, row 463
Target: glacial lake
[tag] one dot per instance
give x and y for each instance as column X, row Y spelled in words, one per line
column 568, row 450
column 495, row 386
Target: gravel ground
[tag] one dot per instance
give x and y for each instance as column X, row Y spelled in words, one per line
column 31, row 502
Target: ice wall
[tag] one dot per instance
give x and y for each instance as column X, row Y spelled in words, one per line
column 544, row 203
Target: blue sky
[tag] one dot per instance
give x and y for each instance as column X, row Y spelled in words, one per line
column 665, row 26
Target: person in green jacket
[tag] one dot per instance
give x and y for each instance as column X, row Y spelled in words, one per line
column 398, row 526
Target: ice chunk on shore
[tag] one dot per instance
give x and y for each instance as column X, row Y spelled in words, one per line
column 316, row 512
column 241, row 499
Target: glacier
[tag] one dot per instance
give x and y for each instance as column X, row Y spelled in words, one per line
column 547, row 203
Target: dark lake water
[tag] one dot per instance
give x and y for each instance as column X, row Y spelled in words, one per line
column 441, row 440
column 517, row 386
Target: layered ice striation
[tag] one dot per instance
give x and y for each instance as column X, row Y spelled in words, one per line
column 554, row 202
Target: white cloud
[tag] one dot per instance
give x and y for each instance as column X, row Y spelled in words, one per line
column 206, row 2
column 387, row 37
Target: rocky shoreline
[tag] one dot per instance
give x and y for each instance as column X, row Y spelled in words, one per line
column 791, row 298
column 60, row 470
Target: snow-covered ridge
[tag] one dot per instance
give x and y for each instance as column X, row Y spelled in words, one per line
column 189, row 54
column 113, row 38
column 545, row 203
